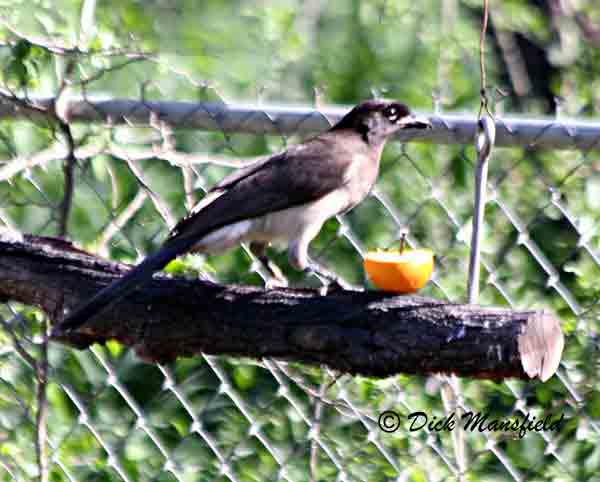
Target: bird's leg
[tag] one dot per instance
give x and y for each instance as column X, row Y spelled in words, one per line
column 276, row 277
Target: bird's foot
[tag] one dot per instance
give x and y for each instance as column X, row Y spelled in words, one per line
column 334, row 283
column 338, row 284
column 274, row 276
column 275, row 282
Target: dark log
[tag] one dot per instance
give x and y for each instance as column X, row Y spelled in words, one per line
column 371, row 332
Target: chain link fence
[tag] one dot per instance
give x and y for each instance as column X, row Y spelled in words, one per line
column 114, row 175
column 111, row 417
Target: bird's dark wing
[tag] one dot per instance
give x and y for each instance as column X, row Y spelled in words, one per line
column 243, row 172
column 302, row 174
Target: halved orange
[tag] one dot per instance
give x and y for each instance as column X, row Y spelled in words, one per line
column 400, row 272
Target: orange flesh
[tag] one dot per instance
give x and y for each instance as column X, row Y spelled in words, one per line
column 404, row 272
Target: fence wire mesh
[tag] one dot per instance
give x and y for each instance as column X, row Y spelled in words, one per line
column 214, row 418
column 110, row 416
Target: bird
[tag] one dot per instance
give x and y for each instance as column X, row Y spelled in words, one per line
column 285, row 198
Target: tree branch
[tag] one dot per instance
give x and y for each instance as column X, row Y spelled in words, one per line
column 370, row 333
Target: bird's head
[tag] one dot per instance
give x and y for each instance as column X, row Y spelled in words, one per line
column 375, row 120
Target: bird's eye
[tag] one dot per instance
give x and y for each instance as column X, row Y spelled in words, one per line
column 391, row 113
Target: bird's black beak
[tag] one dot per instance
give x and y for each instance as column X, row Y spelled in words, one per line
column 415, row 122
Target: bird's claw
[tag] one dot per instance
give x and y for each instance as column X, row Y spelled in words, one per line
column 338, row 284
column 276, row 282
column 331, row 282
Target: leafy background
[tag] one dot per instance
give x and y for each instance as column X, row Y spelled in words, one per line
column 112, row 417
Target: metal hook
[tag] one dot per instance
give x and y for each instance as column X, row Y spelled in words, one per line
column 484, row 142
column 486, row 137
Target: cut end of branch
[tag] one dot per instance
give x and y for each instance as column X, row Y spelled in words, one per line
column 541, row 345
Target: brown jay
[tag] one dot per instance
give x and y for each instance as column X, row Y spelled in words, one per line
column 285, row 198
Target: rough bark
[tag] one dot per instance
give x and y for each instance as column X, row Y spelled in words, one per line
column 371, row 333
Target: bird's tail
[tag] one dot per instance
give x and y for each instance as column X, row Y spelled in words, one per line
column 116, row 291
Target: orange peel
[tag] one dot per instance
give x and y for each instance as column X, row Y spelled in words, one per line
column 400, row 272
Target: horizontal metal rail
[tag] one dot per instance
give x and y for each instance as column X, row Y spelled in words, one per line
column 285, row 120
